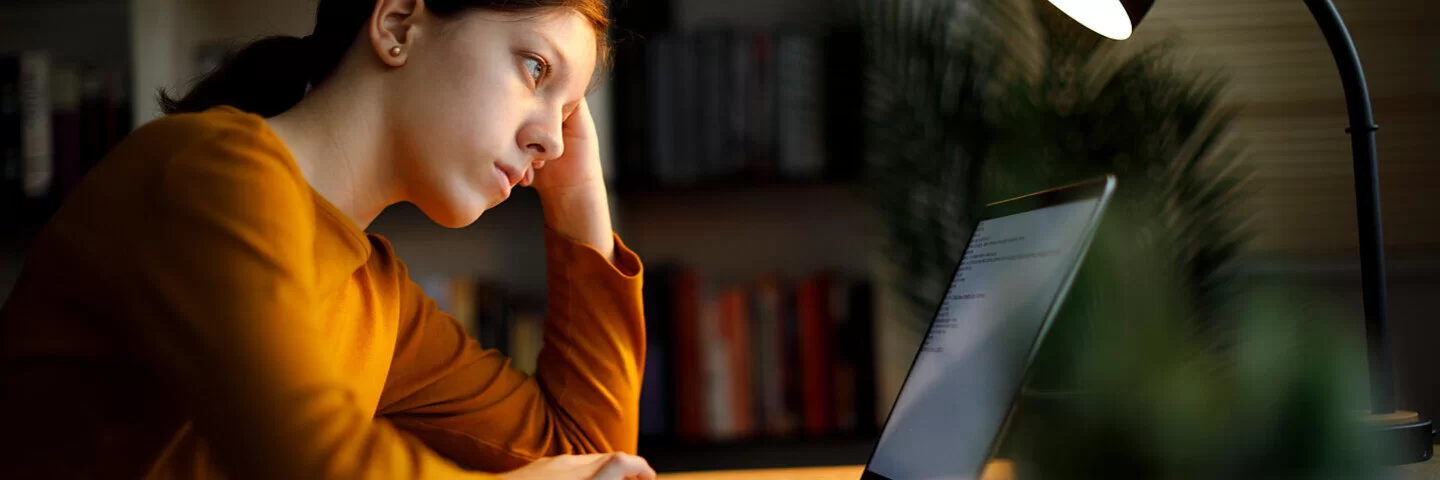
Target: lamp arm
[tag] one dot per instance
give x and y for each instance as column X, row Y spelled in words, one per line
column 1367, row 201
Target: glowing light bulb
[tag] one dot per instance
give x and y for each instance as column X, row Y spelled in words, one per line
column 1105, row 17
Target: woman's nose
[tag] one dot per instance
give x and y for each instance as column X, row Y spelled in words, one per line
column 542, row 142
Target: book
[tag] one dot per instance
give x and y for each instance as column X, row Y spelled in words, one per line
column 814, row 345
column 689, row 385
column 713, row 82
column 65, row 125
column 852, row 311
column 685, row 164
column 760, row 109
column 11, row 156
column 740, row 72
column 715, row 371
column 771, row 370
column 737, row 354
column 657, row 396
column 526, row 339
column 36, row 143
column 844, row 120
column 861, row 344
column 462, row 304
column 799, row 109
column 94, row 108
column 492, row 317
column 663, row 101
column 843, row 374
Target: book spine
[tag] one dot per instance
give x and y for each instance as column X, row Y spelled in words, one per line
column 719, row 411
column 11, row 154
column 799, row 90
column 656, row 393
column 862, row 348
column 741, row 70
column 462, row 305
column 844, row 381
column 37, row 142
column 493, row 318
column 526, row 339
column 664, row 94
column 686, row 164
column 771, row 369
column 689, row 394
column 65, row 121
column 761, row 127
column 738, row 351
column 815, row 356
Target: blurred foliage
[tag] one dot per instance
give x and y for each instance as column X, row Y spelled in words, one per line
column 1264, row 389
column 979, row 100
column 1163, row 362
column 927, row 130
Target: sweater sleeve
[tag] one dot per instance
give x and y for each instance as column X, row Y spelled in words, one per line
column 467, row 403
column 222, row 308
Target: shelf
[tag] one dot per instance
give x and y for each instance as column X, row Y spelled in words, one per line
column 781, row 193
column 746, row 203
column 668, row 455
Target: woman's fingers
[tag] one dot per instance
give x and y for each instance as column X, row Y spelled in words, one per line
column 622, row 466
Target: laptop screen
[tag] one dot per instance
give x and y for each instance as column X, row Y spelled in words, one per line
column 973, row 358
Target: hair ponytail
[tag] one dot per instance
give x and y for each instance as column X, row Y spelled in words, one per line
column 266, row 78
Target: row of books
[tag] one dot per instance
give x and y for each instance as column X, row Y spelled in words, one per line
column 773, row 358
column 732, row 106
column 57, row 119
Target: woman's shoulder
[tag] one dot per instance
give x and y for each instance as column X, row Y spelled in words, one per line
column 208, row 132
column 173, row 177
column 223, row 118
column 217, row 143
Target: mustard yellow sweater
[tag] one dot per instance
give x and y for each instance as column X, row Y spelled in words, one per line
column 196, row 310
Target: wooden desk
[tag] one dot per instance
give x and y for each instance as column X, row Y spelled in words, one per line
column 1420, row 471
column 1000, row 470
column 817, row 473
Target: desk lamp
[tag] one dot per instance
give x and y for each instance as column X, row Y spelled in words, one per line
column 1406, row 434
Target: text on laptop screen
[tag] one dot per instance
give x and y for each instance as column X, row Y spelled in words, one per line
column 973, row 358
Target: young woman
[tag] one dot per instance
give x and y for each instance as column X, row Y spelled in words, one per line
column 208, row 304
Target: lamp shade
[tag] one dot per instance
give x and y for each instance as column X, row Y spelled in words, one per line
column 1112, row 18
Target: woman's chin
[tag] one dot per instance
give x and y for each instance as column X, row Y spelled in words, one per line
column 458, row 214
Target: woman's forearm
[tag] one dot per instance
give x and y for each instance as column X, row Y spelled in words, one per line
column 582, row 213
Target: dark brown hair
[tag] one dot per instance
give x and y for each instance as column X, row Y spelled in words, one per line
column 269, row 76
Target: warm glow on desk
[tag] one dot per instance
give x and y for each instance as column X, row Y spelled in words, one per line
column 995, row 470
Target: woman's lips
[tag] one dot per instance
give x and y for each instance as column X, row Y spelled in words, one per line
column 503, row 179
column 512, row 174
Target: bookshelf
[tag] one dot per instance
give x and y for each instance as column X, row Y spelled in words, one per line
column 83, row 87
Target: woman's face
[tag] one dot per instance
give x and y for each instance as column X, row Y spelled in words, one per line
column 480, row 101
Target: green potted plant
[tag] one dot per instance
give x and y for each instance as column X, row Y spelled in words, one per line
column 983, row 99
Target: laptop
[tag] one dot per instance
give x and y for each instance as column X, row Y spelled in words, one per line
column 959, row 394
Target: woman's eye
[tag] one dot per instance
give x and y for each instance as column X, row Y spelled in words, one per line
column 535, row 68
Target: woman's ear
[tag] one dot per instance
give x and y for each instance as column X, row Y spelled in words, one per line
column 392, row 29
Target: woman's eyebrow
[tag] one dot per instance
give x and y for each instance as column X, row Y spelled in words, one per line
column 560, row 63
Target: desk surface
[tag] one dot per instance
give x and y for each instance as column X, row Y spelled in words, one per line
column 1420, row 471
column 999, row 470
column 818, row 473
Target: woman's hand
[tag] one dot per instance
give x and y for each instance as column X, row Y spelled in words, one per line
column 572, row 187
column 579, row 165
column 600, row 466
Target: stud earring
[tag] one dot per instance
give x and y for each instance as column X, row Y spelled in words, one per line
column 395, row 51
